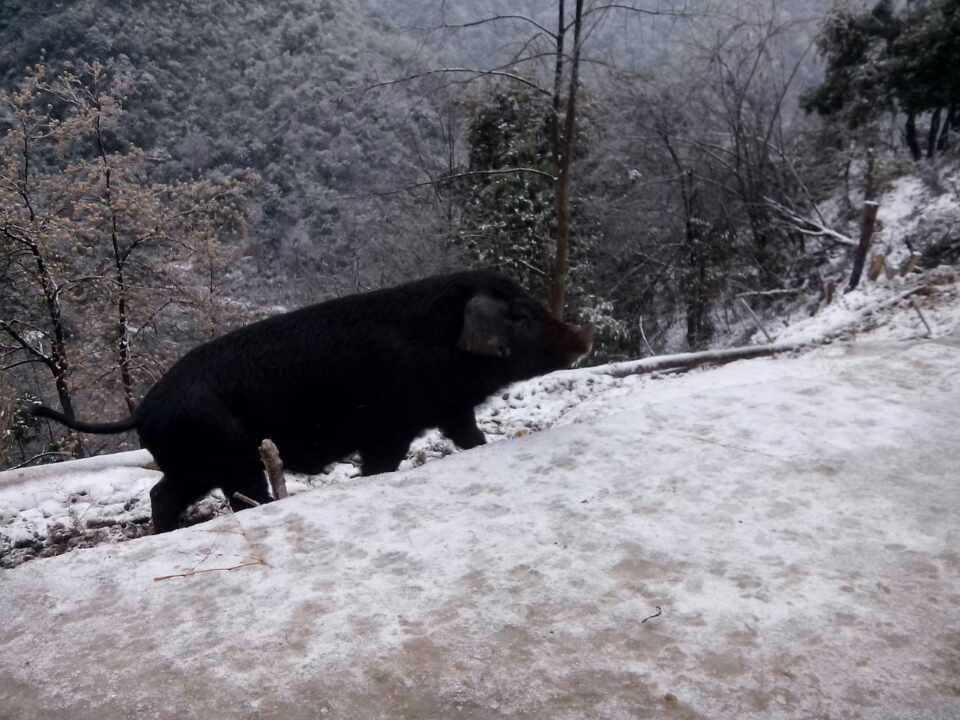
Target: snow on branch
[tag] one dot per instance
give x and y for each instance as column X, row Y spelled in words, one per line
column 690, row 360
column 806, row 226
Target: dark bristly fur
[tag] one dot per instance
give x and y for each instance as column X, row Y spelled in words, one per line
column 364, row 373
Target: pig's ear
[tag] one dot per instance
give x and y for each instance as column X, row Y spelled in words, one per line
column 485, row 326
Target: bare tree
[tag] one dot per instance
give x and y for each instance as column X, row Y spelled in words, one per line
column 564, row 56
column 92, row 250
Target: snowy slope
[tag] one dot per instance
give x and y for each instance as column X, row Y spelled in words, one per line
column 790, row 523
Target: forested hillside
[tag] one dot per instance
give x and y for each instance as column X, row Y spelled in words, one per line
column 217, row 86
column 646, row 167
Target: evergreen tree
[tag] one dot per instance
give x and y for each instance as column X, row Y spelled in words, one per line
column 889, row 61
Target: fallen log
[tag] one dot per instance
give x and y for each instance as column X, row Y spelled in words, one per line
column 689, row 360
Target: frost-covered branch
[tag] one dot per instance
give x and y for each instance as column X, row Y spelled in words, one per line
column 25, row 345
column 690, row 360
column 806, row 226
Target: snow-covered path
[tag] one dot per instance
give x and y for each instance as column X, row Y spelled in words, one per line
column 792, row 524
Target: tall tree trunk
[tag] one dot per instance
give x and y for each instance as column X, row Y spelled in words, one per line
column 868, row 223
column 123, row 332
column 910, row 136
column 934, row 134
column 560, row 266
column 59, row 365
column 943, row 144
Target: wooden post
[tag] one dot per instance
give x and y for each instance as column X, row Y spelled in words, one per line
column 274, row 466
column 870, row 208
column 866, row 234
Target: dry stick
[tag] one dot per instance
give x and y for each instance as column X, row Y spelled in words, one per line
column 191, row 573
column 913, row 304
column 756, row 320
column 256, row 555
column 770, row 293
column 248, row 500
column 808, row 227
column 257, row 558
column 644, row 336
column 270, row 456
column 657, row 614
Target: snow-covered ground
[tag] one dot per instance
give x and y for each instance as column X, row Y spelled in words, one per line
column 776, row 538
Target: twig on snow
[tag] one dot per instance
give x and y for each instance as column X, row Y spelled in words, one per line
column 191, row 573
column 913, row 304
column 657, row 614
column 255, row 554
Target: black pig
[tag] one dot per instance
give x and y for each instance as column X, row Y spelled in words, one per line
column 364, row 373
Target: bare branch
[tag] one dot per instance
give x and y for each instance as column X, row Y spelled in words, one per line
column 756, row 320
column 496, row 18
column 769, row 293
column 28, row 361
column 475, row 71
column 809, row 227
column 41, row 456
column 530, row 267
column 644, row 336
column 77, row 281
column 8, row 328
column 639, row 11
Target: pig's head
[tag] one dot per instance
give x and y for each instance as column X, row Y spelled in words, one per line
column 504, row 322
